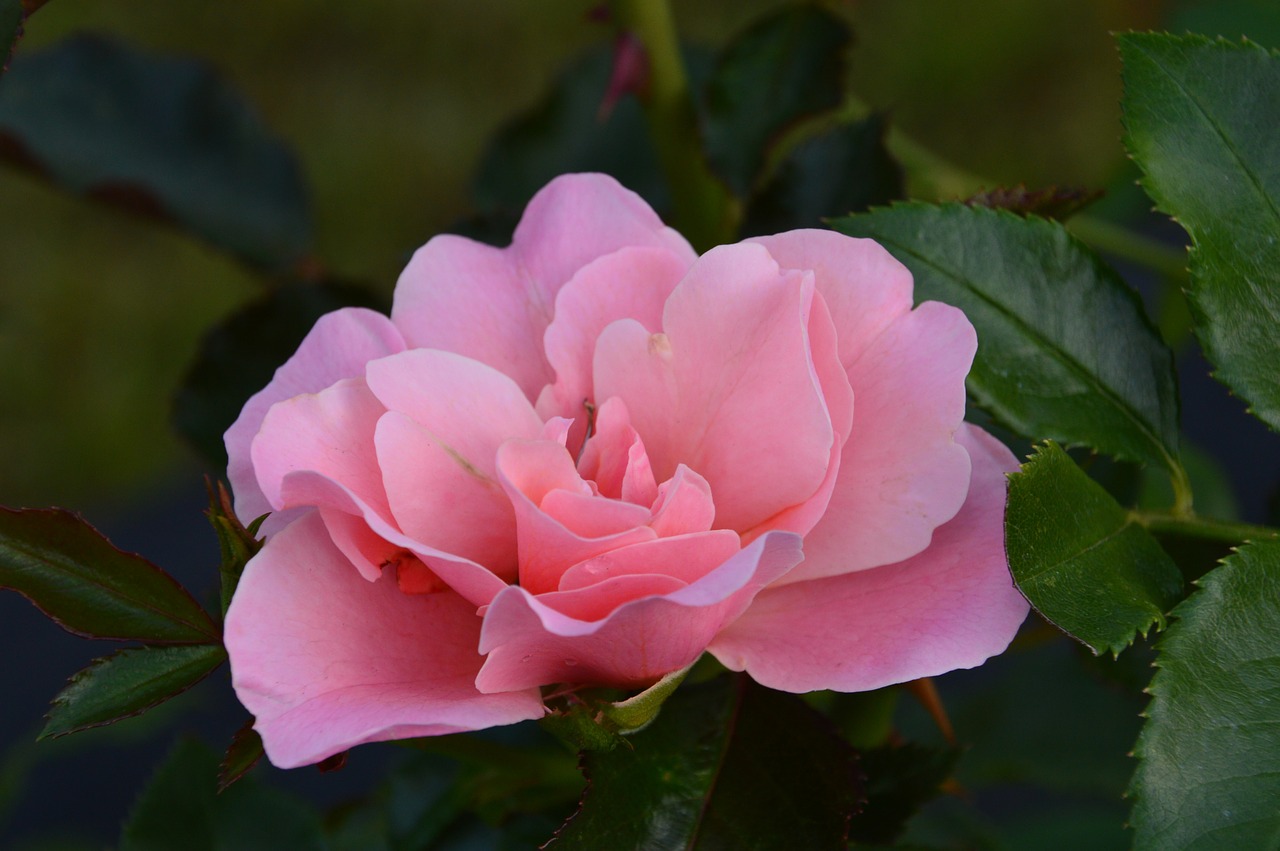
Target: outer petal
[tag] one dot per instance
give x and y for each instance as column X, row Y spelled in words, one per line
column 901, row 472
column 952, row 606
column 529, row 643
column 865, row 288
column 338, row 347
column 494, row 304
column 730, row 388
column 325, row 660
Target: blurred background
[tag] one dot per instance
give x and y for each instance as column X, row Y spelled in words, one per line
column 389, row 105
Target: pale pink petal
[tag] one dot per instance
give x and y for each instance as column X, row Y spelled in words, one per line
column 338, row 347
column 529, row 643
column 529, row 471
column 685, row 557
column 901, row 473
column 632, row 283
column 343, row 514
column 865, row 288
column 952, row 606
column 615, row 457
column 443, row 501
column 684, row 505
column 326, row 661
column 330, row 433
column 493, row 304
column 593, row 516
column 596, row 602
column 729, row 388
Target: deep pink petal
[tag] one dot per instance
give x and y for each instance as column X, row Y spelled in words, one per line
column 326, row 661
column 338, row 347
column 865, row 288
column 493, row 304
column 729, row 388
column 684, row 557
column 901, row 473
column 529, row 643
column 952, row 606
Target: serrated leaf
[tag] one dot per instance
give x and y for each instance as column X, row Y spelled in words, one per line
column 239, row 355
column 727, row 764
column 845, row 170
column 242, row 755
column 788, row 67
column 181, row 808
column 1065, row 351
column 128, row 683
column 236, row 544
column 87, row 586
column 1209, row 755
column 1084, row 563
column 1200, row 119
column 163, row 137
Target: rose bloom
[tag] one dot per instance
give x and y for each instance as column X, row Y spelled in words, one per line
column 586, row 459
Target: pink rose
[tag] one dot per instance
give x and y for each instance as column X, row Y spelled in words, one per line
column 592, row 456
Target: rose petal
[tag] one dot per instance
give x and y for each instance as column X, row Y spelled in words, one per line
column 684, row 505
column 684, row 557
column 615, row 457
column 456, row 294
column 338, row 347
column 952, row 606
column 529, row 643
column 326, row 661
column 901, row 473
column 729, row 388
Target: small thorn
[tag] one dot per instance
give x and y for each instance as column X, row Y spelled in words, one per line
column 926, row 693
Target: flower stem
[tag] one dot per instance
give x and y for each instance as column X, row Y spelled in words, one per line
column 701, row 206
column 1193, row 526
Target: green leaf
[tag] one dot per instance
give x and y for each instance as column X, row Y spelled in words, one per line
column 128, row 683
column 181, row 808
column 236, row 544
column 900, row 778
column 1200, row 119
column 13, row 14
column 238, row 357
column 782, row 70
column 1064, row 349
column 1209, row 755
column 1081, row 559
column 844, row 170
column 242, row 755
column 727, row 764
column 162, row 137
column 76, row 577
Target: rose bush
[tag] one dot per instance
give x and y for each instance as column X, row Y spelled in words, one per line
column 592, row 456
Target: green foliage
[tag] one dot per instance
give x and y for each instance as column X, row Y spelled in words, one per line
column 128, row 683
column 87, row 586
column 727, row 764
column 1209, row 771
column 242, row 755
column 1084, row 563
column 899, row 779
column 1065, row 351
column 238, row 357
column 164, row 138
column 181, row 808
column 13, row 14
column 846, row 169
column 786, row 68
column 1201, row 120
column 236, row 544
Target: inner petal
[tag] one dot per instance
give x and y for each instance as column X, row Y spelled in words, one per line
column 615, row 458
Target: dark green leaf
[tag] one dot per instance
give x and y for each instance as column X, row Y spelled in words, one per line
column 844, row 170
column 87, row 586
column 899, row 779
column 1209, row 770
column 1200, row 119
column 238, row 357
column 129, row 683
column 242, row 755
column 1081, row 560
column 785, row 68
column 162, row 137
column 13, row 15
column 181, row 808
column 236, row 544
column 567, row 132
column 727, row 764
column 1051, row 202
column 1064, row 349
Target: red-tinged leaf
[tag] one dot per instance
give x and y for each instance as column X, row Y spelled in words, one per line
column 1051, row 202
column 87, row 586
column 242, row 755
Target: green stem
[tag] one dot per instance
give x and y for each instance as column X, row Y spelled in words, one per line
column 1122, row 242
column 701, row 206
column 1192, row 526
